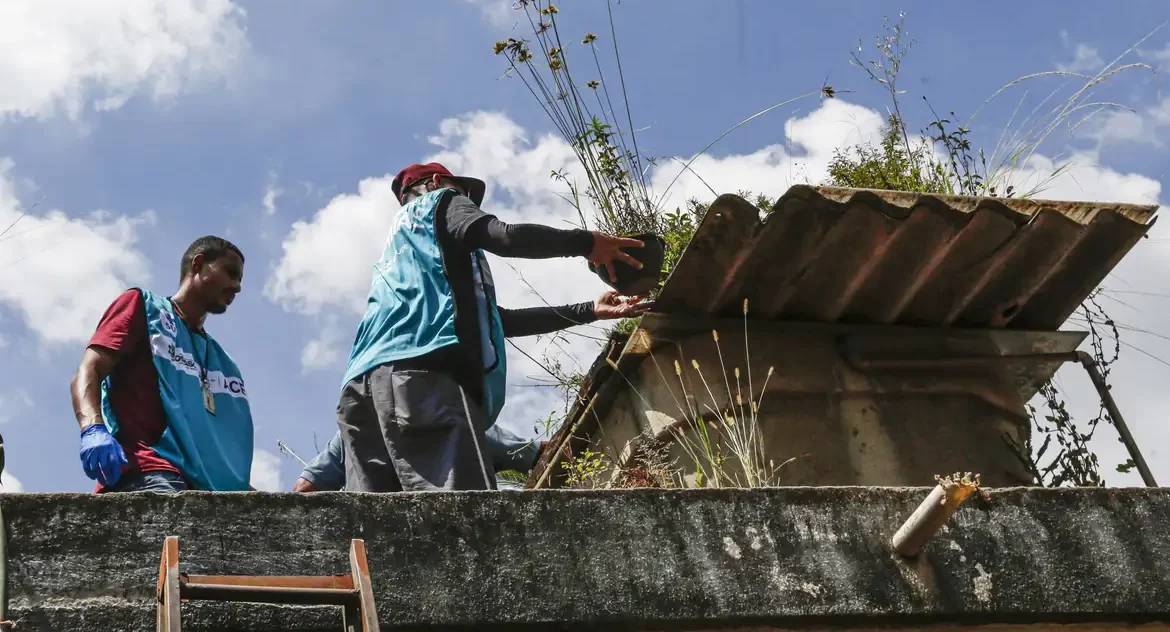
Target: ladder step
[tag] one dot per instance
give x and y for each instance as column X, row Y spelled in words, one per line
column 270, row 594
column 291, row 581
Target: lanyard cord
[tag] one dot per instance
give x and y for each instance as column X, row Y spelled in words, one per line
column 206, row 343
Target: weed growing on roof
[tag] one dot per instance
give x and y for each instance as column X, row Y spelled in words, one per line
column 585, row 117
column 602, row 136
column 942, row 160
column 586, row 470
column 724, row 446
column 718, row 446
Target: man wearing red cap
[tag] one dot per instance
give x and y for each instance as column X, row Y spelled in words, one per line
column 426, row 375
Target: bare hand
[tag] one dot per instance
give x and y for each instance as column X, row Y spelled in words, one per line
column 612, row 305
column 607, row 249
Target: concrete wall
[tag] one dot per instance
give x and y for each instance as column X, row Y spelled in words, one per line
column 623, row 560
column 824, row 415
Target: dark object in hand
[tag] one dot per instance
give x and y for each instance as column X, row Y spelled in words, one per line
column 631, row 281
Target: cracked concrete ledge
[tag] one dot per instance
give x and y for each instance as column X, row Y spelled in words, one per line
column 783, row 558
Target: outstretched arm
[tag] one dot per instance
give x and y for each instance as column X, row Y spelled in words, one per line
column 510, row 452
column 534, row 321
column 470, row 227
column 474, row 230
column 326, row 472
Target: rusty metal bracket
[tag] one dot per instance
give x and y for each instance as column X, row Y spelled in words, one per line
column 1090, row 365
column 353, row 592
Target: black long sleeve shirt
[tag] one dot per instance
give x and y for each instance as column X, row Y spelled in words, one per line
column 473, row 229
column 463, row 228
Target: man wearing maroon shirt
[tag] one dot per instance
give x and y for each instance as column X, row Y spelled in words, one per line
column 210, row 275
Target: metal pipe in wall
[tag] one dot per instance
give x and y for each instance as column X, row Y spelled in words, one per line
column 933, row 512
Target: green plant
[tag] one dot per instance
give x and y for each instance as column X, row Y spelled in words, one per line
column 723, row 447
column 510, row 479
column 1072, row 463
column 894, row 164
column 586, row 469
column 649, row 465
column 585, row 117
column 726, row 447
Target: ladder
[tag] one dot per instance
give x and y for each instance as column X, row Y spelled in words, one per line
column 353, row 592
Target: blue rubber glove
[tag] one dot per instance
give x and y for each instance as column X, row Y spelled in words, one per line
column 102, row 457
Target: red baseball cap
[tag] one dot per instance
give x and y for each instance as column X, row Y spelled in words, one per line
column 413, row 174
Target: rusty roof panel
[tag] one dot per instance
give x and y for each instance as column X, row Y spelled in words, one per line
column 887, row 257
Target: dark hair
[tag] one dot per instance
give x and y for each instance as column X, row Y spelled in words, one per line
column 211, row 248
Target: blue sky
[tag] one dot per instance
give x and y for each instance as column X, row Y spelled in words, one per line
column 137, row 129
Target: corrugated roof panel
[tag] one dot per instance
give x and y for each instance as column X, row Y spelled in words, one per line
column 881, row 257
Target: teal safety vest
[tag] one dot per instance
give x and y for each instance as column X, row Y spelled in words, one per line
column 213, row 451
column 410, row 310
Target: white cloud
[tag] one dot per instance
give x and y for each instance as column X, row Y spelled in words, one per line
column 9, row 484
column 63, row 56
column 1086, row 59
column 802, row 157
column 327, row 261
column 1084, row 179
column 1124, row 126
column 1121, row 122
column 60, row 272
column 499, row 13
column 265, row 471
column 326, row 349
column 1158, row 58
column 272, row 192
column 1137, row 126
column 13, row 403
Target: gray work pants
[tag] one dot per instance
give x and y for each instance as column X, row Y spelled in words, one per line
column 411, row 430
